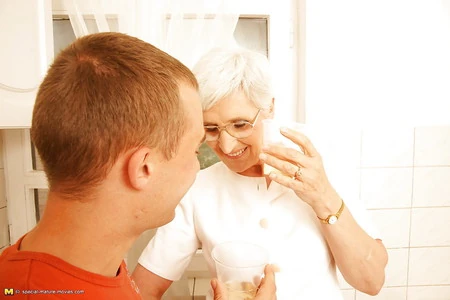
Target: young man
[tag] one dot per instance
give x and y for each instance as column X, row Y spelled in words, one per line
column 117, row 124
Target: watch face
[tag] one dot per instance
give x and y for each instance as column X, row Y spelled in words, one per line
column 332, row 220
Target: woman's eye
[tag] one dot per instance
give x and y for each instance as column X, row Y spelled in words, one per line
column 210, row 128
column 240, row 125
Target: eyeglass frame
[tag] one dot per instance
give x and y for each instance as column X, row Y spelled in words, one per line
column 224, row 127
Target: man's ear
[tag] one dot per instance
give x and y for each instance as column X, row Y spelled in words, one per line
column 140, row 168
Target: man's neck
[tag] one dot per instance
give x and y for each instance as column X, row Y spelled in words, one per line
column 85, row 240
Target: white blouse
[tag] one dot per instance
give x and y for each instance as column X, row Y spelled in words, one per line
column 223, row 206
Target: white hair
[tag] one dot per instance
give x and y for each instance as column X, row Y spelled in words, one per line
column 224, row 71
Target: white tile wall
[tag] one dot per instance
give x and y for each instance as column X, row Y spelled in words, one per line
column 386, row 187
column 432, row 146
column 393, row 293
column 427, row 225
column 429, row 292
column 348, row 294
column 397, row 268
column 431, row 186
column 405, row 184
column 387, row 147
column 429, row 266
column 393, row 225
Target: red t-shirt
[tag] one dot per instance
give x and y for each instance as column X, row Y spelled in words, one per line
column 34, row 275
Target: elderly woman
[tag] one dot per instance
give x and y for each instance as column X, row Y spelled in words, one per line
column 296, row 214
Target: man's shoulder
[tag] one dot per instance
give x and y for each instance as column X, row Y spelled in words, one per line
column 44, row 276
column 14, row 270
column 35, row 270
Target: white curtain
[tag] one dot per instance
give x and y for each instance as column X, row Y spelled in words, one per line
column 183, row 28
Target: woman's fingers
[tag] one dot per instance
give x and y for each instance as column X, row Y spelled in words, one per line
column 218, row 289
column 296, row 185
column 267, row 289
column 294, row 156
column 285, row 167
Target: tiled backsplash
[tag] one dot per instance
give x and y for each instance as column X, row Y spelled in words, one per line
column 387, row 147
column 405, row 184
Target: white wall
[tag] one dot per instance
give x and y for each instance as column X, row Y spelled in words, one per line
column 374, row 63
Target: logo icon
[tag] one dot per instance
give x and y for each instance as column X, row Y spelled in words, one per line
column 8, row 292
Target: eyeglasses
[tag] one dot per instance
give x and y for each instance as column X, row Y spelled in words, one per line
column 239, row 129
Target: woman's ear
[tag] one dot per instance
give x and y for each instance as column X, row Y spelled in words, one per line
column 140, row 168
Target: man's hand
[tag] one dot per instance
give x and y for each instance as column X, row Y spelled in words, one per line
column 266, row 290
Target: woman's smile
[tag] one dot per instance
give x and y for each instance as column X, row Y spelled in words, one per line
column 236, row 154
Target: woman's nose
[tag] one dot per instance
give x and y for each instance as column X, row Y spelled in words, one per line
column 227, row 142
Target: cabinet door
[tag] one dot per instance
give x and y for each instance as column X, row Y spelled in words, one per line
column 26, row 51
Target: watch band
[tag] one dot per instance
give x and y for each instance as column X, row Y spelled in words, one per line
column 331, row 219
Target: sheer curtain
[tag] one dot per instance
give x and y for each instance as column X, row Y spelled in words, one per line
column 183, row 28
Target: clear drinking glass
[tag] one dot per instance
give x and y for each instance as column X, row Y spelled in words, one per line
column 273, row 136
column 240, row 266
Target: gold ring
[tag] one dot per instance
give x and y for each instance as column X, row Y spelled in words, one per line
column 298, row 174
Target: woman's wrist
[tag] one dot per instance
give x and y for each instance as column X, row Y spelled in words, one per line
column 329, row 206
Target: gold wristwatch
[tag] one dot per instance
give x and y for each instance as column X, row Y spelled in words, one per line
column 331, row 219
